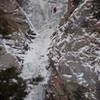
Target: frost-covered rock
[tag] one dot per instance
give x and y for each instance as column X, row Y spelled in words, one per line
column 75, row 51
column 15, row 32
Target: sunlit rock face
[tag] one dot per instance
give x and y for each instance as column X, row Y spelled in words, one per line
column 75, row 53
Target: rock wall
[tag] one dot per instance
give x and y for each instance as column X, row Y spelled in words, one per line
column 75, row 54
column 15, row 31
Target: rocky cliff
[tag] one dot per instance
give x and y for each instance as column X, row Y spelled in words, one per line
column 15, row 34
column 75, row 53
column 14, row 31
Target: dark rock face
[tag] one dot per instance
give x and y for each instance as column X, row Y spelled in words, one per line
column 7, row 27
column 14, row 34
column 75, row 54
column 14, row 30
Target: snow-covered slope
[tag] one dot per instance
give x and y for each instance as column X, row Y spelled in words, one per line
column 36, row 61
column 40, row 11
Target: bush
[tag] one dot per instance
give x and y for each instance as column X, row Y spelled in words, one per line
column 37, row 79
column 76, row 2
column 12, row 87
column 3, row 27
column 78, row 94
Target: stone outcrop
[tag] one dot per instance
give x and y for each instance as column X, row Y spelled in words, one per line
column 75, row 54
column 15, row 31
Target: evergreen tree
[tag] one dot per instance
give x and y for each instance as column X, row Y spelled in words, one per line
column 12, row 87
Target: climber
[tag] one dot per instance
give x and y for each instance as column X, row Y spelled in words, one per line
column 54, row 9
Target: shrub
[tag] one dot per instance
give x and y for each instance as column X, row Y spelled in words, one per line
column 76, row 2
column 37, row 79
column 12, row 87
column 78, row 94
column 4, row 28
